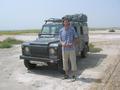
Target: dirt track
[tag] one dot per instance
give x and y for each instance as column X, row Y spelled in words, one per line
column 94, row 72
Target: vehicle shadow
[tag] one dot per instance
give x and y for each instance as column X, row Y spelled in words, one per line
column 91, row 61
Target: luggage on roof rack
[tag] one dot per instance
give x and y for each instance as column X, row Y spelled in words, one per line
column 76, row 17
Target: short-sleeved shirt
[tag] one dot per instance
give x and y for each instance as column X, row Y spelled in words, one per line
column 68, row 36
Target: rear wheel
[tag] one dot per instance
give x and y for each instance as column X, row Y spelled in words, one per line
column 28, row 65
column 84, row 51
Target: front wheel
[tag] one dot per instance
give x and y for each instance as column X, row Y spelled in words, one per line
column 28, row 65
column 60, row 67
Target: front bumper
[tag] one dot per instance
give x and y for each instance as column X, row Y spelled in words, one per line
column 39, row 59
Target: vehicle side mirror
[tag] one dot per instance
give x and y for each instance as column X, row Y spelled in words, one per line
column 39, row 34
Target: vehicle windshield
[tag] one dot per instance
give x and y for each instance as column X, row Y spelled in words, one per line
column 50, row 30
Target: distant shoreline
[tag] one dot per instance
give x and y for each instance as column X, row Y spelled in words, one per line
column 18, row 29
column 14, row 32
column 90, row 28
column 28, row 31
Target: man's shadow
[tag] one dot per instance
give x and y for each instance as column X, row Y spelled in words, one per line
column 91, row 61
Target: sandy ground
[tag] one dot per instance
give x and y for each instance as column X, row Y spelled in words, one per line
column 99, row 71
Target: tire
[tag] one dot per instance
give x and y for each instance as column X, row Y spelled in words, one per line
column 84, row 52
column 52, row 65
column 28, row 65
column 49, row 64
column 60, row 67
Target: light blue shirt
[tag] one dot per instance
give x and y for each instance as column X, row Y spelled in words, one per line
column 68, row 36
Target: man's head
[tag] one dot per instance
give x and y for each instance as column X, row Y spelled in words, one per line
column 66, row 22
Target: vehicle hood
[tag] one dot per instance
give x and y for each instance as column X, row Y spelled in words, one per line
column 44, row 41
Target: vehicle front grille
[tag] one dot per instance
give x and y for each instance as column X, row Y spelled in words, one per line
column 39, row 51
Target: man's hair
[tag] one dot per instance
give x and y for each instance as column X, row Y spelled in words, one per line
column 64, row 19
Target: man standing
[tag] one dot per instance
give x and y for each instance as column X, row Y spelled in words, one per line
column 67, row 39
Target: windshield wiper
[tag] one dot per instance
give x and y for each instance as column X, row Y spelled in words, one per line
column 48, row 34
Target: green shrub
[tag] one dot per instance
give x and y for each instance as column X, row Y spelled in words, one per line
column 7, row 43
column 94, row 49
column 12, row 41
column 111, row 30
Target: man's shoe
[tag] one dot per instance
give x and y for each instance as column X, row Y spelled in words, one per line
column 66, row 77
column 73, row 78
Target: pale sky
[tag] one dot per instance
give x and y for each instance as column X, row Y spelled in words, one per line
column 29, row 14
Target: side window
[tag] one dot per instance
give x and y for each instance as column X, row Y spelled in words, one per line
column 85, row 30
column 81, row 30
column 75, row 29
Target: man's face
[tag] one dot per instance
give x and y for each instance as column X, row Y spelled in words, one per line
column 66, row 23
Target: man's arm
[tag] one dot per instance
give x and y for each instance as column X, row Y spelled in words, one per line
column 62, row 43
column 60, row 37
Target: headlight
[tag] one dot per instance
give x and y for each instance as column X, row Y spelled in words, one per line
column 52, row 51
column 26, row 50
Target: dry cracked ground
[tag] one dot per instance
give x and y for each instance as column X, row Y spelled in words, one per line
column 99, row 71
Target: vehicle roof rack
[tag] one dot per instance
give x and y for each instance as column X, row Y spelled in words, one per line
column 53, row 20
column 72, row 18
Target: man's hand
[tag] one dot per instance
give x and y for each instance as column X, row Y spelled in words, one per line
column 62, row 43
column 69, row 45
